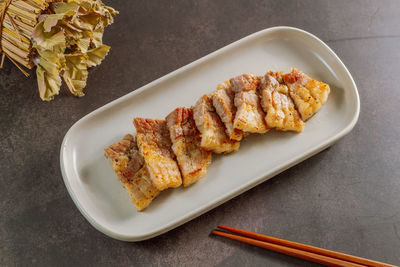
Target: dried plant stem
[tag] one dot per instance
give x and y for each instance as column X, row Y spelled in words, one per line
column 17, row 22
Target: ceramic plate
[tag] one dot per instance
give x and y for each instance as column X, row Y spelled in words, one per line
column 95, row 188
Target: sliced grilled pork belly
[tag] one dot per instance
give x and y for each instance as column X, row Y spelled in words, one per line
column 307, row 93
column 193, row 160
column 223, row 101
column 128, row 164
column 154, row 144
column 212, row 130
column 277, row 104
column 249, row 115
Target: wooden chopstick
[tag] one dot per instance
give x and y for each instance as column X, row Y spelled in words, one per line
column 316, row 250
column 290, row 251
column 307, row 252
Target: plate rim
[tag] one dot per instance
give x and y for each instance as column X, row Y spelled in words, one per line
column 228, row 195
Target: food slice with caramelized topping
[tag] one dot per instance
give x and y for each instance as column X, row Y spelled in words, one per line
column 129, row 165
column 155, row 147
column 192, row 159
column 277, row 104
column 249, row 115
column 307, row 93
column 212, row 130
column 223, row 101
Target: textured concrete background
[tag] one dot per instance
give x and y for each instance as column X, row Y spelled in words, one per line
column 346, row 198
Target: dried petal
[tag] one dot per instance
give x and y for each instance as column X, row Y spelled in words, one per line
column 48, row 80
column 75, row 73
column 54, row 41
column 96, row 55
column 69, row 9
column 83, row 44
column 50, row 21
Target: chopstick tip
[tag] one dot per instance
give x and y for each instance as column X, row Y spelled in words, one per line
column 224, row 227
column 216, row 232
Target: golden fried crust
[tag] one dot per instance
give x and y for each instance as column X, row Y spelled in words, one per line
column 212, row 130
column 307, row 93
column 155, row 146
column 128, row 164
column 223, row 102
column 277, row 104
column 249, row 115
column 193, row 160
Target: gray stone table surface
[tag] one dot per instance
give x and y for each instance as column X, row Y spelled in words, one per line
column 346, row 198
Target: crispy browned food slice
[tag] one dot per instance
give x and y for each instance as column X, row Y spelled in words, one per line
column 155, row 146
column 193, row 160
column 128, row 164
column 212, row 130
column 249, row 115
column 277, row 104
column 307, row 93
column 223, row 101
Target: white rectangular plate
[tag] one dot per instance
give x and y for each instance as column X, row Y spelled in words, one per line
column 95, row 188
